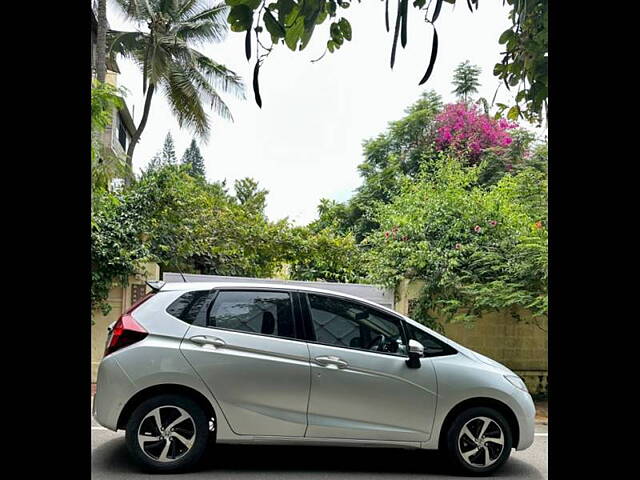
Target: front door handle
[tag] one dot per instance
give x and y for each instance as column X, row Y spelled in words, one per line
column 207, row 340
column 331, row 361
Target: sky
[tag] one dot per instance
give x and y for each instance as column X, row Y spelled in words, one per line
column 306, row 142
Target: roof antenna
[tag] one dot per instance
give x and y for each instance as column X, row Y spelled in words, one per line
column 181, row 274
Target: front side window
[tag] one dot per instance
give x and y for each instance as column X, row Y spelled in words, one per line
column 346, row 324
column 261, row 312
column 432, row 346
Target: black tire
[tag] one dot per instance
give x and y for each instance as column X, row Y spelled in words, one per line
column 453, row 450
column 183, row 461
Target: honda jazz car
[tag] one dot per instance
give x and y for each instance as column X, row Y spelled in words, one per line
column 250, row 363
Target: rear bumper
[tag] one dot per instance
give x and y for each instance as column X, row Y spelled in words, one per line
column 113, row 387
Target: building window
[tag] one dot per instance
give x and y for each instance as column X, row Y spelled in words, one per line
column 122, row 133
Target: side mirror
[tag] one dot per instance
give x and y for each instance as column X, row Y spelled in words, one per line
column 416, row 351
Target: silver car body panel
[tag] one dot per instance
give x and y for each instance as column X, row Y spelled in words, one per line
column 375, row 396
column 375, row 401
column 261, row 382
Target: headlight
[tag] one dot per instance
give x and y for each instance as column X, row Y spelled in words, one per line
column 517, row 382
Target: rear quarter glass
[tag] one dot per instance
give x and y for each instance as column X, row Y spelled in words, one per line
column 191, row 305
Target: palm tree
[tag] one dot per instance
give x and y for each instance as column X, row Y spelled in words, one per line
column 101, row 41
column 465, row 80
column 169, row 62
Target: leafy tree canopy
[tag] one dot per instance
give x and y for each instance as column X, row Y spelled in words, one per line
column 250, row 195
column 166, row 156
column 478, row 249
column 167, row 56
column 105, row 165
column 293, row 23
column 194, row 159
column 465, row 80
column 184, row 223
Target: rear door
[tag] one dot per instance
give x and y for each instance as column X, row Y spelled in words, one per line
column 361, row 387
column 246, row 350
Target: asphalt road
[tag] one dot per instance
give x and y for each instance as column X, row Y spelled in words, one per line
column 110, row 461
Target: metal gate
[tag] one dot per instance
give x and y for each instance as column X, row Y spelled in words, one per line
column 374, row 293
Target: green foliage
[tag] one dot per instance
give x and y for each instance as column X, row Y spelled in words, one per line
column 465, row 80
column 477, row 248
column 166, row 156
column 168, row 59
column 293, row 23
column 105, row 165
column 250, row 195
column 525, row 61
column 194, row 159
column 182, row 223
column 117, row 251
column 325, row 256
column 408, row 143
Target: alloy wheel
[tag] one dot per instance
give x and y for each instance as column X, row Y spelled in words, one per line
column 481, row 442
column 166, row 433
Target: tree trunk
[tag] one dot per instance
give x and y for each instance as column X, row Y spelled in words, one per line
column 101, row 42
column 139, row 130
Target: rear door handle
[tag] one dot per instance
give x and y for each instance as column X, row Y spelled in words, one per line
column 207, row 340
column 330, row 361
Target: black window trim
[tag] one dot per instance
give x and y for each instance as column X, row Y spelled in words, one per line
column 217, row 290
column 303, row 325
column 382, row 313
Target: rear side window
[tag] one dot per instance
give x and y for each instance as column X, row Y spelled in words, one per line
column 262, row 312
column 432, row 346
column 187, row 306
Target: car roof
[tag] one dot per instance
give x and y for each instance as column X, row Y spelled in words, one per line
column 188, row 286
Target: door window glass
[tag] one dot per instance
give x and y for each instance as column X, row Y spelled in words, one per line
column 262, row 312
column 432, row 346
column 187, row 306
column 347, row 324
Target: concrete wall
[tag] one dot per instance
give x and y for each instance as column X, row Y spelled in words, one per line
column 120, row 299
column 519, row 345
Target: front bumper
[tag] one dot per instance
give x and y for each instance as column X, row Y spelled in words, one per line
column 526, row 420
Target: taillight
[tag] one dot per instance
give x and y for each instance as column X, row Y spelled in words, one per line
column 126, row 330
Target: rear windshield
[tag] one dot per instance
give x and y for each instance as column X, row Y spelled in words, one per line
column 187, row 306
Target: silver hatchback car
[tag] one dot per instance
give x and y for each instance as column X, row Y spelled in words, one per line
column 276, row 364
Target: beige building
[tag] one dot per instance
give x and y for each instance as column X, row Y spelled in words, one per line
column 120, row 299
column 117, row 135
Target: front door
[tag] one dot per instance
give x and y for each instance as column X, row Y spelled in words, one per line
column 361, row 387
column 250, row 359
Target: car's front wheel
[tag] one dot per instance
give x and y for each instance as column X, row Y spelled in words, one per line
column 167, row 433
column 479, row 441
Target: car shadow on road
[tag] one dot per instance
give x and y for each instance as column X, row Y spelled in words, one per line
column 111, row 460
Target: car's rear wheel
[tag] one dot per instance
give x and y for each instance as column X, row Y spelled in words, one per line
column 167, row 433
column 479, row 441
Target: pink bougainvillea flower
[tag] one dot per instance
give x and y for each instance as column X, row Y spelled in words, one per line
column 493, row 223
column 477, row 229
column 469, row 132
